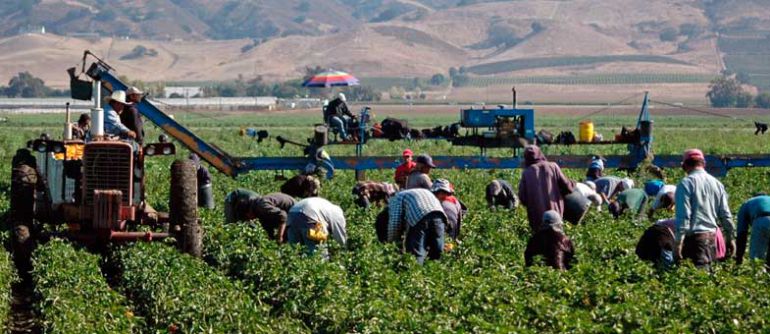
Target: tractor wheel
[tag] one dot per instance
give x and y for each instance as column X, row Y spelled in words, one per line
column 22, row 214
column 183, row 207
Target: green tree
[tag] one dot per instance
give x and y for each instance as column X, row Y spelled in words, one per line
column 723, row 92
column 763, row 100
column 437, row 79
column 744, row 99
column 25, row 84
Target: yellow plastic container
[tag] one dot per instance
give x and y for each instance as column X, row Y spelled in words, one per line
column 586, row 132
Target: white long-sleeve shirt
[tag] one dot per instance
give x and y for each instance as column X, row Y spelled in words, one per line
column 701, row 205
column 321, row 210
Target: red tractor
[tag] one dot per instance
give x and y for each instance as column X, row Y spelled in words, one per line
column 96, row 188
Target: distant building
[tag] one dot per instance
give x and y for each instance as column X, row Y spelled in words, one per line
column 183, row 91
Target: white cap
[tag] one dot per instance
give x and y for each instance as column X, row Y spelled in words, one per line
column 342, row 97
column 627, row 183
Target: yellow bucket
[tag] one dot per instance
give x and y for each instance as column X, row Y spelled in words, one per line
column 586, row 132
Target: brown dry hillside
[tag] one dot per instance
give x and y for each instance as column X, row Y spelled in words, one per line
column 204, row 40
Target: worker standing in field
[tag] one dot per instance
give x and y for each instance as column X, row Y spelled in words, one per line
column 754, row 215
column 368, row 192
column 550, row 242
column 419, row 176
column 403, row 170
column 116, row 105
column 500, row 192
column 312, row 220
column 543, row 187
column 657, row 243
column 453, row 208
column 270, row 209
column 701, row 205
column 596, row 168
column 131, row 117
column 631, row 199
column 418, row 214
column 205, row 191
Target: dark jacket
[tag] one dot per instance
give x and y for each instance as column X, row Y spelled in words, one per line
column 543, row 187
column 500, row 192
column 554, row 246
column 655, row 239
column 301, row 186
column 131, row 118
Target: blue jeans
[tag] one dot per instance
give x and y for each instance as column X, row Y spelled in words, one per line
column 339, row 125
column 427, row 237
column 760, row 235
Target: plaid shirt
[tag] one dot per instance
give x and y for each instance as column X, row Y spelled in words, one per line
column 410, row 206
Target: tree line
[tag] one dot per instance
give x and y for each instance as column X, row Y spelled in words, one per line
column 727, row 91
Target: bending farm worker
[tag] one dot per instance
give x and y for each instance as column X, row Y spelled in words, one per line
column 500, row 192
column 312, row 220
column 595, row 169
column 754, row 215
column 301, row 186
column 551, row 243
column 420, row 175
column 271, row 210
column 701, row 205
column 367, row 192
column 543, row 187
column 631, row 199
column 403, row 170
column 453, row 208
column 609, row 186
column 657, row 243
column 664, row 200
column 418, row 214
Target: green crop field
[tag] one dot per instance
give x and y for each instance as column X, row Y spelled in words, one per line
column 246, row 283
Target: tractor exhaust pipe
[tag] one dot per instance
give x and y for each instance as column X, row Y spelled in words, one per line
column 513, row 90
column 97, row 113
column 67, row 124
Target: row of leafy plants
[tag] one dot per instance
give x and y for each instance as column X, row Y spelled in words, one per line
column 73, row 296
column 483, row 285
column 7, row 278
column 178, row 293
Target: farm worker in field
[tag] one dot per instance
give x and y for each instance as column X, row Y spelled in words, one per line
column 596, row 168
column 500, row 192
column 588, row 189
column 337, row 115
column 418, row 214
column 543, row 187
column 81, row 129
column 664, row 200
column 551, row 243
column 301, row 186
column 403, row 170
column 131, row 117
column 609, row 186
column 116, row 104
column 453, row 208
column 270, row 209
column 701, row 205
column 205, row 191
column 657, row 243
column 419, row 176
column 312, row 220
column 632, row 199
column 754, row 214
column 367, row 192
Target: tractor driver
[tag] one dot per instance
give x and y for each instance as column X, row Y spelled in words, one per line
column 131, row 117
column 116, row 105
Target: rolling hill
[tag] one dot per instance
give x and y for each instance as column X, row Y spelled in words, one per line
column 204, row 40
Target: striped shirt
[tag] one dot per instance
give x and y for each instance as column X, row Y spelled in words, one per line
column 410, row 206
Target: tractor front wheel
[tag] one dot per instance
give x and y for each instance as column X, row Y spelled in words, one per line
column 22, row 214
column 183, row 207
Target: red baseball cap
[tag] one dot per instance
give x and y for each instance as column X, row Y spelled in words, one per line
column 407, row 153
column 692, row 154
